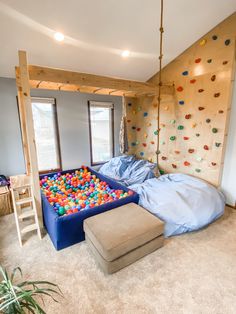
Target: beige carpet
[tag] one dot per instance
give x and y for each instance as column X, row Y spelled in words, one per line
column 192, row 273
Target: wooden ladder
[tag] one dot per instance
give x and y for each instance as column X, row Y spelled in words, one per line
column 22, row 195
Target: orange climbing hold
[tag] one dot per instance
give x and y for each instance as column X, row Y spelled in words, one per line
column 177, row 152
column 192, row 81
column 180, row 89
column 201, row 108
column 152, row 142
column 213, row 163
column 163, row 158
column 198, row 60
column 186, row 163
column 174, row 166
column 188, row 116
column 191, row 150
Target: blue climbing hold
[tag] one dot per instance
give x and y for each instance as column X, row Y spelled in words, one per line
column 145, row 114
column 133, row 144
column 181, row 102
column 185, row 73
column 141, row 153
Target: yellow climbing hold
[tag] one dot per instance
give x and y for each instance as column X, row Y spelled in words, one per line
column 203, row 42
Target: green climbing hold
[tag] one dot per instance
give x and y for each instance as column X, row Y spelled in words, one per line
column 214, row 130
column 172, row 121
column 156, row 132
column 173, row 138
column 162, row 171
column 139, row 108
column 198, row 170
column 180, row 127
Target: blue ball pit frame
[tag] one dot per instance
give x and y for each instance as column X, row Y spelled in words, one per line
column 65, row 231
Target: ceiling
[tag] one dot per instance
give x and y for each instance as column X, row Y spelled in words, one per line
column 97, row 31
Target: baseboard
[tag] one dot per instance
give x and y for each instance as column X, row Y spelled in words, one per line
column 231, row 206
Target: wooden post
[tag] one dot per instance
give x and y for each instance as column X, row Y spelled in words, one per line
column 28, row 126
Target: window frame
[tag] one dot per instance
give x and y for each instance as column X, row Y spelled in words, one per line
column 57, row 135
column 92, row 162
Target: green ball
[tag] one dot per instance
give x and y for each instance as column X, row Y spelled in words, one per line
column 61, row 211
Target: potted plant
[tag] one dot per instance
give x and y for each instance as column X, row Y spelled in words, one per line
column 22, row 297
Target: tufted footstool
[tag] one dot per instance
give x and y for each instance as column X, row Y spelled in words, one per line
column 123, row 235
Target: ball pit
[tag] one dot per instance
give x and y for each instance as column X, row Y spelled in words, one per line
column 72, row 192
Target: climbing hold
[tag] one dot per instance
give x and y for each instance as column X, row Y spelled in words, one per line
column 224, row 62
column 173, row 138
column 181, row 102
column 163, row 125
column 149, row 124
column 133, row 144
column 192, row 81
column 138, row 129
column 172, row 121
column 129, row 104
column 203, row 42
column 208, row 120
column 166, row 108
column 128, row 121
column 145, row 114
column 216, row 94
column 191, row 150
column 139, row 108
column 162, row 171
column 152, row 142
column 163, row 142
column 156, row 132
column 186, row 163
column 180, row 127
column 144, row 145
column 134, row 112
column 137, row 142
column 214, row 130
column 198, row 158
column 201, row 90
column 198, row 170
column 217, row 144
column 206, row 147
column 227, row 42
column 188, row 116
column 220, row 111
column 214, row 37
column 174, row 166
column 209, row 60
column 201, row 108
column 194, row 125
column 213, row 78
column 180, row 89
column 145, row 135
column 163, row 158
column 197, row 134
column 141, row 153
column 177, row 152
column 198, row 60
column 213, row 163
column 185, row 73
column 186, row 138
column 133, row 127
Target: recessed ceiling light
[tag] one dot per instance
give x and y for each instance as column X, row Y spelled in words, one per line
column 59, row 36
column 125, row 53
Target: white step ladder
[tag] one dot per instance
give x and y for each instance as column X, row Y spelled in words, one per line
column 21, row 186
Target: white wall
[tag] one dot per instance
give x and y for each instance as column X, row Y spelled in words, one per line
column 72, row 111
column 229, row 174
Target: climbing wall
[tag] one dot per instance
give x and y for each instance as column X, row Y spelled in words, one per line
column 194, row 119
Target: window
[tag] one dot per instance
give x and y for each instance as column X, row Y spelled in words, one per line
column 46, row 134
column 101, row 127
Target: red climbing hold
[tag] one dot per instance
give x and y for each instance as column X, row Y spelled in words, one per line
column 180, row 89
column 206, row 147
column 191, row 150
column 152, row 142
column 138, row 129
column 174, row 166
column 224, row 62
column 188, row 116
column 186, row 163
column 192, row 81
column 186, row 138
column 198, row 60
column 201, row 108
column 221, row 111
column 144, row 145
column 213, row 163
column 163, row 158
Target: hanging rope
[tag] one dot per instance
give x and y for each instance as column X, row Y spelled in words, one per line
column 161, row 29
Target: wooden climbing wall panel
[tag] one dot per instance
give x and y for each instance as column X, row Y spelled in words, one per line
column 194, row 120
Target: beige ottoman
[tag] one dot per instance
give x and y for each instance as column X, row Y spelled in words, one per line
column 122, row 235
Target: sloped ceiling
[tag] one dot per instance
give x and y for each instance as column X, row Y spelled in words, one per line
column 97, row 31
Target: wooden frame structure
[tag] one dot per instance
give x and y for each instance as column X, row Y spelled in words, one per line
column 30, row 77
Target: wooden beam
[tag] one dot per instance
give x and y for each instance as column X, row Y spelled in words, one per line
column 25, row 99
column 38, row 73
